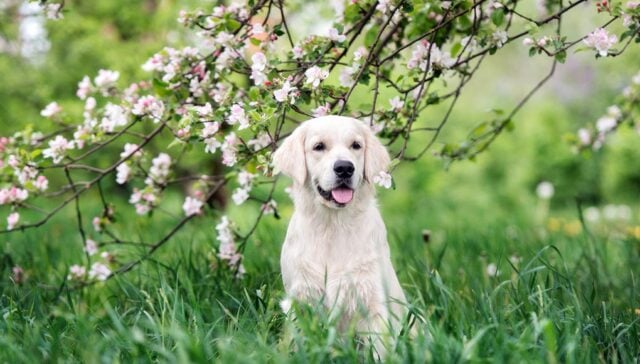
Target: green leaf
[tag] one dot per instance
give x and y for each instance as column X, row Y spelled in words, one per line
column 352, row 13
column 497, row 17
column 456, row 49
column 371, row 36
column 532, row 51
column 35, row 153
column 561, row 56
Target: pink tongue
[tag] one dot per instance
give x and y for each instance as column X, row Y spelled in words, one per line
column 342, row 195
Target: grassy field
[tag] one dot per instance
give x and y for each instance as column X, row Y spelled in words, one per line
column 559, row 294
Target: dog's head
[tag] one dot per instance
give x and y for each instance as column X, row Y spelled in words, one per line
column 332, row 157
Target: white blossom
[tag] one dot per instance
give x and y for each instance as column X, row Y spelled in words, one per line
column 335, row 35
column 396, row 103
column 84, row 88
column 192, row 206
column 383, row 179
column 99, row 271
column 211, row 145
column 237, row 115
column 601, row 41
column 492, row 270
column 51, row 110
column 57, row 148
column 53, row 11
column 130, row 149
column 545, row 190
column 12, row 220
column 321, row 110
column 123, row 173
column 160, row 168
column 240, row 195
column 315, row 75
column 210, row 128
column 499, row 38
column 105, row 80
column 286, row 93
column 91, row 247
column 229, row 157
column 77, row 272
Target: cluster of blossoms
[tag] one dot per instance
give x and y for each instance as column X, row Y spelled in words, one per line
column 347, row 74
column 99, row 271
column 383, row 179
column 533, row 42
column 228, row 251
column 426, row 55
column 595, row 138
column 241, row 194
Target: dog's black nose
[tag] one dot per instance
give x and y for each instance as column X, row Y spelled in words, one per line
column 343, row 169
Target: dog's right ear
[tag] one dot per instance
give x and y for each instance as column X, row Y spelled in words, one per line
column 289, row 158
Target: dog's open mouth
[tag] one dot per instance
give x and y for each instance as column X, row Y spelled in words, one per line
column 341, row 195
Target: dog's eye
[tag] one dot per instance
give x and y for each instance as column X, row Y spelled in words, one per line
column 319, row 147
column 356, row 145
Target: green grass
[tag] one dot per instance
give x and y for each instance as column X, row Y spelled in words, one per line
column 570, row 299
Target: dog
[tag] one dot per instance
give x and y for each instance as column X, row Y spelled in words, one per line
column 336, row 251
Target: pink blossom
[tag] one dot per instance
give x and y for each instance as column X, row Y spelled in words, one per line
column 269, row 207
column 41, row 183
column 346, row 76
column 12, row 220
column 149, row 105
column 396, row 103
column 210, row 128
column 77, row 272
column 601, row 41
column 321, row 110
column 13, row 194
column 335, row 35
column 99, row 271
column 192, row 206
column 286, row 93
column 237, row 115
column 105, row 80
column 297, row 52
column 91, row 247
column 245, row 178
column 257, row 29
column 204, row 111
column 97, row 224
column 260, row 142
column 360, row 53
column 84, row 88
column 160, row 168
column 229, row 157
column 51, row 110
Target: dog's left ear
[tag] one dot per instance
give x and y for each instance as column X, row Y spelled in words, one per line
column 376, row 157
column 289, row 157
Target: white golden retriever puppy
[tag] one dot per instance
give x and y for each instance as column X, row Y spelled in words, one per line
column 336, row 247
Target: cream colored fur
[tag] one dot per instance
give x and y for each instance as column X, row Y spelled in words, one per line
column 340, row 255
